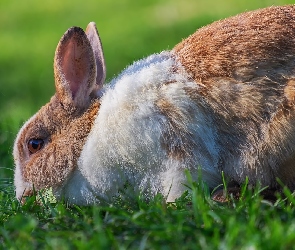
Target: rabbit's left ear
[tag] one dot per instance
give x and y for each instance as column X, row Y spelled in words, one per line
column 74, row 69
column 93, row 37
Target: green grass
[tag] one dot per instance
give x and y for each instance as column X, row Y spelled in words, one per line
column 192, row 222
column 30, row 31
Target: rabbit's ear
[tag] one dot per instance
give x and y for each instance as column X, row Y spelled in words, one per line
column 74, row 69
column 93, row 36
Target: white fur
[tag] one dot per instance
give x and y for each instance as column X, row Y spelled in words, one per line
column 22, row 185
column 125, row 142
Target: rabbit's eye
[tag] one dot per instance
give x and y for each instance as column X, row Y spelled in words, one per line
column 35, row 145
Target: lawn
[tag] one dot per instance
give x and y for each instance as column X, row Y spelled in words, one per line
column 130, row 30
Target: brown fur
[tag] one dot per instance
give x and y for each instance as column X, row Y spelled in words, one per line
column 66, row 130
column 245, row 67
column 175, row 139
column 242, row 47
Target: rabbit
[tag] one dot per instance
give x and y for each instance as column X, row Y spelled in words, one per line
column 222, row 100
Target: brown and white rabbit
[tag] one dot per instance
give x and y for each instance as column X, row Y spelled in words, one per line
column 221, row 100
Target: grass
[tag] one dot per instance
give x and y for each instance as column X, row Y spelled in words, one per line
column 129, row 30
column 192, row 222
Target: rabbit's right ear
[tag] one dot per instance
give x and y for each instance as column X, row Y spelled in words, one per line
column 74, row 69
column 93, row 37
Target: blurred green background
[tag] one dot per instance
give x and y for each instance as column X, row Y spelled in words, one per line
column 130, row 30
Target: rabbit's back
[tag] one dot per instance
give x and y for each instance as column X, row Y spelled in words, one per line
column 252, row 44
column 245, row 68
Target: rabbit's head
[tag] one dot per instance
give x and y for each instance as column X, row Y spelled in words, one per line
column 47, row 147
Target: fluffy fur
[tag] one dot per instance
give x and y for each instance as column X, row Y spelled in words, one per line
column 221, row 100
column 145, row 146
